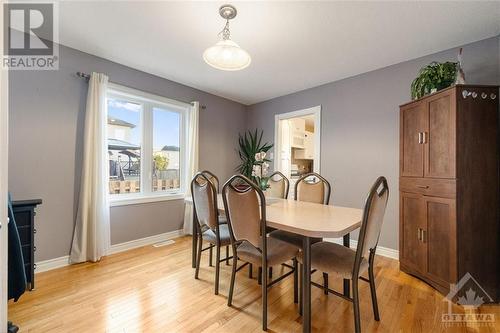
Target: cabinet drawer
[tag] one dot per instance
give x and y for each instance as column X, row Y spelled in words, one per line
column 26, row 254
column 445, row 188
column 24, row 234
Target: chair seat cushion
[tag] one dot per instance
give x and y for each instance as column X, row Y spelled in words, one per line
column 334, row 258
column 291, row 238
column 278, row 252
column 225, row 238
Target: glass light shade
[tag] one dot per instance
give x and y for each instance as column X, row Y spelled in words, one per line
column 227, row 56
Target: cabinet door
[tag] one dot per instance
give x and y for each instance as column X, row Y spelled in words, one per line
column 410, row 145
column 309, row 145
column 413, row 251
column 440, row 237
column 439, row 136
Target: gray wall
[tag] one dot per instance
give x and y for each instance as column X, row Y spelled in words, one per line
column 46, row 133
column 360, row 123
column 359, row 137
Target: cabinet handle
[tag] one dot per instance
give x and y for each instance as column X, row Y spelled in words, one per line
column 418, row 234
column 423, row 186
column 424, row 137
column 420, row 137
column 424, row 236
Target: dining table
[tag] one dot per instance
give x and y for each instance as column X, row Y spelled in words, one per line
column 309, row 220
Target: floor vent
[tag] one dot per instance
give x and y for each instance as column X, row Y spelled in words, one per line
column 164, row 243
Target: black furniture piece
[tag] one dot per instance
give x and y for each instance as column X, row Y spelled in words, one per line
column 24, row 213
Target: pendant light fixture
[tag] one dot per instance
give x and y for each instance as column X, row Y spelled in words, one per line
column 226, row 55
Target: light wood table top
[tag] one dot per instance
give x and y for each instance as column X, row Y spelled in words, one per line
column 308, row 219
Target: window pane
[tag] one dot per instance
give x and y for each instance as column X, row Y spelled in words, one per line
column 124, row 146
column 166, row 149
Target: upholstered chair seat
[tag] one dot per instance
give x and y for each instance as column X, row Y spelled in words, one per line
column 225, row 238
column 277, row 252
column 211, row 227
column 334, row 258
column 245, row 206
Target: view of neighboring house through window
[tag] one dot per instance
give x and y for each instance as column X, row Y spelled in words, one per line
column 145, row 144
column 124, row 146
column 166, row 149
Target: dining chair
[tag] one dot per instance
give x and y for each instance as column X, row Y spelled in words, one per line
column 213, row 178
column 222, row 218
column 204, row 196
column 278, row 186
column 245, row 206
column 311, row 187
column 349, row 264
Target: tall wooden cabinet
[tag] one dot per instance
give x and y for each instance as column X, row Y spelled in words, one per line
column 449, row 187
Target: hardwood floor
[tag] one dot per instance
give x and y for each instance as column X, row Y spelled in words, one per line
column 153, row 290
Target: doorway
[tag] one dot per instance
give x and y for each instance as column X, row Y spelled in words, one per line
column 297, row 137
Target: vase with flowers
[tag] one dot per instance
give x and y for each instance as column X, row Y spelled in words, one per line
column 260, row 169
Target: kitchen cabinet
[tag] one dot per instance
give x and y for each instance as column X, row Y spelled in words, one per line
column 307, row 153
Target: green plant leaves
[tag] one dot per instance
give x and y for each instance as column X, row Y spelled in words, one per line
column 436, row 75
column 250, row 144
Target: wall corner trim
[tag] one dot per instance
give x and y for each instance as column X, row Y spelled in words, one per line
column 381, row 251
column 50, row 264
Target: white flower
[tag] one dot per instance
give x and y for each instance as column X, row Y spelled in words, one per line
column 256, row 170
column 265, row 168
column 259, row 157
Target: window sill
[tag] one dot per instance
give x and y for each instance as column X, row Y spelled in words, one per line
column 136, row 200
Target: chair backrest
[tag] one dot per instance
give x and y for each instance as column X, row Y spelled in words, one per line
column 278, row 185
column 312, row 187
column 373, row 216
column 213, row 178
column 204, row 196
column 246, row 216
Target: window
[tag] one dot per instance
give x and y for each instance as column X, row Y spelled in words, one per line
column 146, row 146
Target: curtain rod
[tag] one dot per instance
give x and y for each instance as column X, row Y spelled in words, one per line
column 87, row 77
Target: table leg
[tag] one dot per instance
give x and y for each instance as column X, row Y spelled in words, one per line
column 195, row 241
column 306, row 285
column 347, row 283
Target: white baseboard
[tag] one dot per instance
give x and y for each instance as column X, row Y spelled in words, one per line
column 47, row 265
column 381, row 251
column 145, row 241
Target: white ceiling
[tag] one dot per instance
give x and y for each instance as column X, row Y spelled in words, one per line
column 294, row 45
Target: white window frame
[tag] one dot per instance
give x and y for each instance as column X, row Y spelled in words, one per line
column 150, row 101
